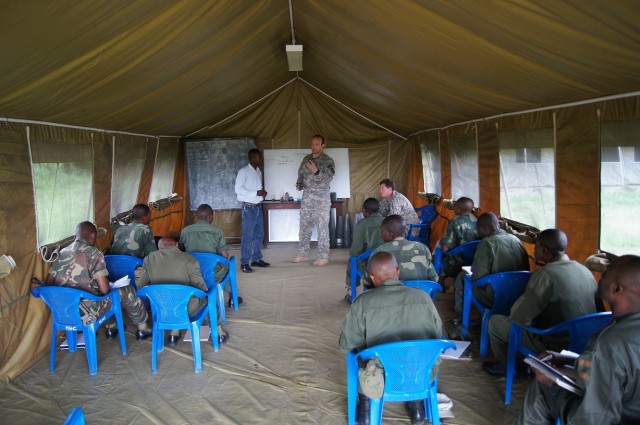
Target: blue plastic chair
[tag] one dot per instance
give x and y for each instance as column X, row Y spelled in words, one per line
column 208, row 264
column 169, row 311
column 507, row 288
column 429, row 286
column 407, row 368
column 427, row 215
column 355, row 273
column 76, row 417
column 122, row 265
column 64, row 304
column 580, row 329
column 468, row 249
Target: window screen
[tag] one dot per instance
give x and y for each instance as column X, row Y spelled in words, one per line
column 620, row 188
column 464, row 168
column 128, row 162
column 527, row 177
column 431, row 166
column 63, row 182
column 164, row 169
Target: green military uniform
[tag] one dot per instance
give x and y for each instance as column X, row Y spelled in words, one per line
column 78, row 266
column 135, row 239
column 205, row 237
column 391, row 312
column 170, row 265
column 413, row 258
column 365, row 236
column 461, row 229
column 496, row 253
column 607, row 371
column 559, row 291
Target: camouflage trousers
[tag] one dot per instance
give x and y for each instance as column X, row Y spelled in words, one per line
column 314, row 212
column 132, row 305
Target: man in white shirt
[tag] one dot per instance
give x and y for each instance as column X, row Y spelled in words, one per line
column 251, row 193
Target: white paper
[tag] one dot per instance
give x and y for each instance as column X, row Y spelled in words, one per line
column 123, row 281
column 455, row 353
column 467, row 269
column 205, row 331
column 444, row 406
column 81, row 344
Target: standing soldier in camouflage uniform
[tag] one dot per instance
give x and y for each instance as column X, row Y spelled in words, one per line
column 461, row 229
column 413, row 258
column 393, row 202
column 314, row 176
column 204, row 236
column 81, row 265
column 136, row 238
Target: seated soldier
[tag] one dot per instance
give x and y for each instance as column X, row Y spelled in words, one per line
column 390, row 312
column 170, row 265
column 413, row 258
column 204, row 236
column 607, row 370
column 461, row 229
column 558, row 291
column 81, row 265
column 497, row 252
column 366, row 236
column 394, row 202
column 135, row 238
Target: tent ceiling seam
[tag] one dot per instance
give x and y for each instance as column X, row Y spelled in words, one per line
column 353, row 110
column 544, row 108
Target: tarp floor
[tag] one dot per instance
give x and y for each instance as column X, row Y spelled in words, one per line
column 281, row 365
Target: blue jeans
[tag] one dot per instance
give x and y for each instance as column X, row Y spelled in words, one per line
column 252, row 234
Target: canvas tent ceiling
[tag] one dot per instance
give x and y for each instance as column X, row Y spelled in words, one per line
column 165, row 67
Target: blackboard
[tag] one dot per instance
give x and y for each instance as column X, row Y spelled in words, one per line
column 212, row 167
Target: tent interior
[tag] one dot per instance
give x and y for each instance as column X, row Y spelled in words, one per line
column 98, row 100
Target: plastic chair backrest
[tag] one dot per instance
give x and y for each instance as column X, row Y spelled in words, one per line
column 507, row 288
column 467, row 249
column 76, row 417
column 208, row 263
column 63, row 303
column 169, row 302
column 427, row 214
column 355, row 273
column 429, row 286
column 122, row 265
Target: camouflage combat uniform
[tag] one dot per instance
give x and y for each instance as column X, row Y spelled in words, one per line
column 315, row 208
column 461, row 229
column 135, row 239
column 170, row 265
column 413, row 258
column 78, row 265
column 203, row 236
column 399, row 205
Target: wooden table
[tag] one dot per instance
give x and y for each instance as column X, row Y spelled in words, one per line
column 288, row 205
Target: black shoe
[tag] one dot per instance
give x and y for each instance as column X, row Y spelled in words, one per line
column 363, row 410
column 173, row 340
column 260, row 263
column 495, row 368
column 111, row 333
column 347, row 298
column 416, row 411
column 223, row 337
column 246, row 268
column 230, row 303
column 142, row 334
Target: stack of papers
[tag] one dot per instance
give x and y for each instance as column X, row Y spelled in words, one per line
column 123, row 281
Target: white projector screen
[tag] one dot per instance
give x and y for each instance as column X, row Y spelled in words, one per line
column 281, row 171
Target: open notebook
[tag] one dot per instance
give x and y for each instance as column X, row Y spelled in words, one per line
column 564, row 378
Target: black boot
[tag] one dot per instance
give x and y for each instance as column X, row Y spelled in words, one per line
column 363, row 410
column 416, row 411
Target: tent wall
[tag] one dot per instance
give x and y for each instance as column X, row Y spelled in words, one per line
column 287, row 120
